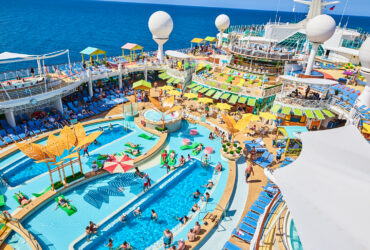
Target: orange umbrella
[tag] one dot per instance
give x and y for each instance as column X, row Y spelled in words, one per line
column 118, row 164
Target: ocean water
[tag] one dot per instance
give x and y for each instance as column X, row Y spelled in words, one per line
column 42, row 26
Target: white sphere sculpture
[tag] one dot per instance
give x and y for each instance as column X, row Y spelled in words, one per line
column 364, row 54
column 222, row 22
column 160, row 24
column 320, row 28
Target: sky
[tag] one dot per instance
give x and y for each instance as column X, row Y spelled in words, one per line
column 354, row 7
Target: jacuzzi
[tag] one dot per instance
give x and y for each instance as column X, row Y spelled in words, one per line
column 153, row 119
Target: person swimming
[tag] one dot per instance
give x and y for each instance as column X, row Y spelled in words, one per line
column 154, row 216
column 195, row 208
column 196, row 194
column 123, row 218
column 137, row 212
column 183, row 219
column 167, row 238
column 209, row 185
column 206, row 197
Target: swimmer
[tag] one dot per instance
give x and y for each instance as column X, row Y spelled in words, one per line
column 218, row 167
column 183, row 220
column 137, row 212
column 63, row 203
column 110, row 126
column 110, row 243
column 196, row 195
column 123, row 218
column 195, row 208
column 189, row 158
column 209, row 185
column 154, row 216
column 206, row 197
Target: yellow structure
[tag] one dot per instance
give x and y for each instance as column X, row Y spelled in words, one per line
column 90, row 51
column 293, row 145
column 132, row 47
column 165, row 107
column 235, row 127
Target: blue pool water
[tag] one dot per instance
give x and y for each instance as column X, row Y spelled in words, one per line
column 155, row 116
column 24, row 168
column 294, row 238
column 170, row 201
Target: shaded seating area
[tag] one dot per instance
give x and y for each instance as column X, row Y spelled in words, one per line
column 91, row 51
column 132, row 48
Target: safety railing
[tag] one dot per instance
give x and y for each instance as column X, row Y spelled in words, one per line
column 262, row 54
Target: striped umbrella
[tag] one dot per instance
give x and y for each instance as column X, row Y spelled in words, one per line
column 118, row 164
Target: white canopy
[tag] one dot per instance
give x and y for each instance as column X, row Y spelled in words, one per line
column 313, row 81
column 174, row 53
column 10, row 55
column 327, row 189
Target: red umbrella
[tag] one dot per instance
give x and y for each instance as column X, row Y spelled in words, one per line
column 118, row 164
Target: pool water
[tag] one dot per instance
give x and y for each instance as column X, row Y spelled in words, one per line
column 24, row 168
column 174, row 200
column 155, row 116
column 294, row 238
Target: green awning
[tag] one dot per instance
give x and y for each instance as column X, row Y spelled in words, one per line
column 286, row 111
column 298, row 111
column 319, row 115
column 309, row 113
column 225, row 96
column 177, row 80
column 171, row 80
column 251, row 101
column 242, row 99
column 164, row 76
column 275, row 108
column 328, row 113
column 196, row 89
column 217, row 95
column 203, row 90
column 210, row 92
column 142, row 85
column 233, row 99
column 193, row 85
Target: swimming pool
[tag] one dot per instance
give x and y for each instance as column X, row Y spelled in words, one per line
column 294, row 238
column 155, row 116
column 22, row 168
column 170, row 200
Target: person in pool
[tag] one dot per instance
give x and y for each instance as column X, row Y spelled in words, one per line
column 189, row 158
column 63, row 202
column 134, row 152
column 154, row 216
column 206, row 197
column 209, row 185
column 123, row 218
column 182, row 161
column 110, row 243
column 137, row 212
column 22, row 199
column 196, row 194
column 167, row 238
column 195, row 208
column 183, row 220
column 180, row 245
column 125, row 245
column 110, row 126
column 218, row 167
column 93, row 228
column 138, row 173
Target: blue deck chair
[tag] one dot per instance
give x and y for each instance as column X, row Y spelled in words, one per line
column 246, row 237
column 257, row 209
column 5, row 137
column 250, row 222
column 268, row 161
column 246, row 228
column 262, row 158
column 253, row 215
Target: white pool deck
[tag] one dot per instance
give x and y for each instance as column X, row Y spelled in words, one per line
column 224, row 229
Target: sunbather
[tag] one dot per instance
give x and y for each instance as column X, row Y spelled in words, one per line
column 199, row 148
column 164, row 156
column 63, row 202
column 172, row 155
column 132, row 144
column 134, row 152
column 22, row 199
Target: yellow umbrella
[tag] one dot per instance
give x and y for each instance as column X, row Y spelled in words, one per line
column 253, row 117
column 190, row 95
column 166, row 88
column 267, row 115
column 366, row 128
column 223, row 106
column 205, row 100
column 174, row 92
column 73, row 155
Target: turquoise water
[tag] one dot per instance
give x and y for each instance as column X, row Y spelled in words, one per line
column 155, row 116
column 17, row 242
column 24, row 168
column 294, row 238
column 173, row 200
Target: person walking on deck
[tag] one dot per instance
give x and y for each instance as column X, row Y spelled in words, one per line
column 248, row 172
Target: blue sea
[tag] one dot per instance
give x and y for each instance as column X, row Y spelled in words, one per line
column 42, row 26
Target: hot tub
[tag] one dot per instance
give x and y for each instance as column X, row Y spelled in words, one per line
column 153, row 119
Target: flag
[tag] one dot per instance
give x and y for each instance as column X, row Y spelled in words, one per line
column 332, row 7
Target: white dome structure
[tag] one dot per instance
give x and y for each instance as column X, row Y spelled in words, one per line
column 160, row 25
column 320, row 28
column 222, row 22
column 364, row 54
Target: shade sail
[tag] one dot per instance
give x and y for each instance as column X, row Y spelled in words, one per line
column 203, row 90
column 197, row 40
column 177, row 54
column 286, row 111
column 210, row 92
column 298, row 111
column 210, row 39
column 233, row 99
column 242, row 99
column 319, row 115
column 171, row 80
column 142, row 84
column 328, row 113
column 10, row 55
column 225, row 96
column 177, row 80
column 197, row 88
column 275, row 108
column 309, row 113
column 327, row 189
column 217, row 95
column 193, row 85
column 251, row 101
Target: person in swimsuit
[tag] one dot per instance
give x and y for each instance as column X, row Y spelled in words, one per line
column 63, row 203
column 137, row 212
column 172, row 155
column 132, row 145
column 123, row 218
column 93, row 228
column 196, row 195
column 167, row 238
column 182, row 161
column 164, row 156
column 154, row 216
column 206, row 197
column 196, row 228
column 138, row 173
column 209, row 185
column 248, row 172
column 199, row 148
column 88, row 233
column 181, row 245
column 110, row 243
column 183, row 220
column 22, row 199
column 146, row 181
column 191, row 235
column 218, row 167
column 125, row 245
column 189, row 158
column 195, row 208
